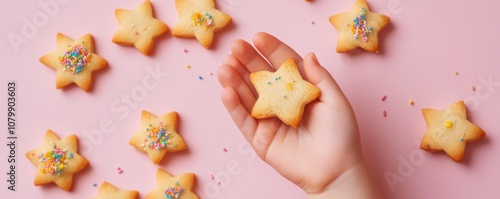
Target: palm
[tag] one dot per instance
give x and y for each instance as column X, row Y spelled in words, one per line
column 326, row 143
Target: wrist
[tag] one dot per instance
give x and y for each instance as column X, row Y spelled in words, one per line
column 353, row 183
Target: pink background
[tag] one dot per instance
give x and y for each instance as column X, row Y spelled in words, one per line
column 425, row 44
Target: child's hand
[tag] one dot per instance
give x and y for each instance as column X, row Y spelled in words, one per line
column 323, row 156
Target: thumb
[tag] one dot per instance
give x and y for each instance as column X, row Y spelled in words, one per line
column 321, row 78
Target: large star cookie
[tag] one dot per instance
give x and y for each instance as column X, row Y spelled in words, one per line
column 282, row 94
column 359, row 28
column 57, row 160
column 74, row 61
column 200, row 19
column 449, row 130
column 108, row 191
column 138, row 27
column 158, row 135
column 178, row 187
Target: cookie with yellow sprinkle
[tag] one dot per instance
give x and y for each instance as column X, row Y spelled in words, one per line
column 158, row 136
column 138, row 27
column 199, row 19
column 74, row 61
column 449, row 130
column 108, row 191
column 57, row 160
column 359, row 28
column 282, row 94
column 170, row 187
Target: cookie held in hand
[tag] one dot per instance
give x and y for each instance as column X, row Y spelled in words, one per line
column 57, row 160
column 449, row 130
column 138, row 27
column 282, row 94
column 158, row 136
column 358, row 28
column 74, row 61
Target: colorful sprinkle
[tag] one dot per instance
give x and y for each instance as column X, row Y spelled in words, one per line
column 212, row 176
column 456, row 73
column 188, row 66
column 384, row 113
column 383, row 98
column 75, row 58
column 268, row 82
column 204, row 19
column 289, row 85
column 173, row 191
column 473, row 89
column 448, row 124
column 359, row 27
column 224, row 149
column 157, row 137
column 312, row 22
column 411, row 102
column 54, row 161
column 461, row 139
column 200, row 77
column 95, row 185
column 185, row 51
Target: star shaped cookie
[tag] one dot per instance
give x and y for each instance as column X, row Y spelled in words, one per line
column 138, row 27
column 178, row 187
column 200, row 19
column 74, row 61
column 57, row 160
column 449, row 130
column 158, row 136
column 282, row 94
column 358, row 28
column 108, row 191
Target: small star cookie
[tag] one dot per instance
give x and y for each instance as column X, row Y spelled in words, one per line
column 57, row 160
column 108, row 191
column 158, row 135
column 282, row 94
column 178, row 187
column 74, row 61
column 138, row 27
column 449, row 130
column 359, row 28
column 200, row 19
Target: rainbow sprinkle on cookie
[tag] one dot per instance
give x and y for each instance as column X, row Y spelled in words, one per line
column 359, row 27
column 54, row 161
column 204, row 19
column 75, row 58
column 157, row 137
column 174, row 191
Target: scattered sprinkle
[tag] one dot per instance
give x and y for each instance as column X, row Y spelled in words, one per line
column 173, row 191
column 211, row 74
column 225, row 150
column 212, row 176
column 188, row 66
column 312, row 22
column 384, row 113
column 448, row 124
column 185, row 51
column 461, row 139
column 200, row 77
column 359, row 26
column 456, row 73
column 289, row 85
column 95, row 185
column 218, row 183
column 383, row 98
column 53, row 161
column 136, row 33
column 473, row 89
column 411, row 102
column 75, row 58
column 268, row 82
